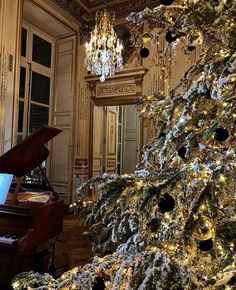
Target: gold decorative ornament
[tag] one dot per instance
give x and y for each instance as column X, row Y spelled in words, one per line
column 203, row 228
column 146, row 37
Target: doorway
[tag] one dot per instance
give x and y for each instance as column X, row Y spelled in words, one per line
column 47, row 93
column 116, row 139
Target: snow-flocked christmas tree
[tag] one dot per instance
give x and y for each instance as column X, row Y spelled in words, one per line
column 173, row 222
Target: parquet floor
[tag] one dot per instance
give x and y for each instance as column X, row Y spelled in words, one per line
column 73, row 248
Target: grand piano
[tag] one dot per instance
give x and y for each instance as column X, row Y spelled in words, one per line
column 28, row 230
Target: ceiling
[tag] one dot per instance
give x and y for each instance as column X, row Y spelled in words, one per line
column 84, row 10
column 40, row 18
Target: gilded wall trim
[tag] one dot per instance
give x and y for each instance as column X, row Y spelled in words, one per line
column 116, row 89
column 4, row 78
column 123, row 88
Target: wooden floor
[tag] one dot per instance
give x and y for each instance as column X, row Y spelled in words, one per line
column 73, row 247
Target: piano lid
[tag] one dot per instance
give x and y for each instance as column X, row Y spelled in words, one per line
column 27, row 155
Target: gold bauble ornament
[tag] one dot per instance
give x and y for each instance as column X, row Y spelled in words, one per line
column 203, row 228
column 195, row 38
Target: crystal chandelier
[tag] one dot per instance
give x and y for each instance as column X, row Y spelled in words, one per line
column 104, row 50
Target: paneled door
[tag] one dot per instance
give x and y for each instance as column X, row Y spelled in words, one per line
column 62, row 159
column 105, row 128
column 111, row 128
column 130, row 139
column 98, row 140
column 116, row 139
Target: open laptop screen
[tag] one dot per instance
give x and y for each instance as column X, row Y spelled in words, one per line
column 5, row 182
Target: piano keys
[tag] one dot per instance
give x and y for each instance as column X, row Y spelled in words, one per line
column 26, row 226
column 27, row 229
column 10, row 237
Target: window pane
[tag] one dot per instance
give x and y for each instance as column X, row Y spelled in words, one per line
column 119, row 153
column 120, row 114
column 23, row 41
column 38, row 117
column 40, row 88
column 119, row 133
column 20, row 116
column 41, row 51
column 22, row 82
column 118, row 169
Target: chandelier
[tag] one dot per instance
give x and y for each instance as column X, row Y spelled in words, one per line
column 104, row 50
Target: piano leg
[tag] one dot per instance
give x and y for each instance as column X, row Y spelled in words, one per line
column 41, row 261
column 52, row 268
column 44, row 257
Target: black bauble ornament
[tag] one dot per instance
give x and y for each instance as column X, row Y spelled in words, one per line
column 154, row 224
column 207, row 94
column 206, row 245
column 99, row 284
column 182, row 151
column 191, row 47
column 221, row 134
column 144, row 52
column 170, row 37
column 162, row 135
column 232, row 281
column 166, row 2
column 166, row 203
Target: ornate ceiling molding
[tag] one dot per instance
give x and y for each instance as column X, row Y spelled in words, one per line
column 84, row 10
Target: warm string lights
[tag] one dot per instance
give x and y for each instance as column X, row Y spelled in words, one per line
column 172, row 222
column 104, row 50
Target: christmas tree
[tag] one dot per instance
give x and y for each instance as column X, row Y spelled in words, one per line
column 172, row 224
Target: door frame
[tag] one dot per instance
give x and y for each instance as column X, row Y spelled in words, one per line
column 122, row 89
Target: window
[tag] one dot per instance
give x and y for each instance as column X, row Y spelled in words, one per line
column 36, row 77
column 35, row 87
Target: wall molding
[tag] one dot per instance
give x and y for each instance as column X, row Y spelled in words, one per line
column 124, row 87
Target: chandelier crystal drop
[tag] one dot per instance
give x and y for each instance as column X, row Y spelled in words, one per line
column 104, row 50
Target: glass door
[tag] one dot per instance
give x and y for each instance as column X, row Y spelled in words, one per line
column 36, row 79
column 35, row 88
